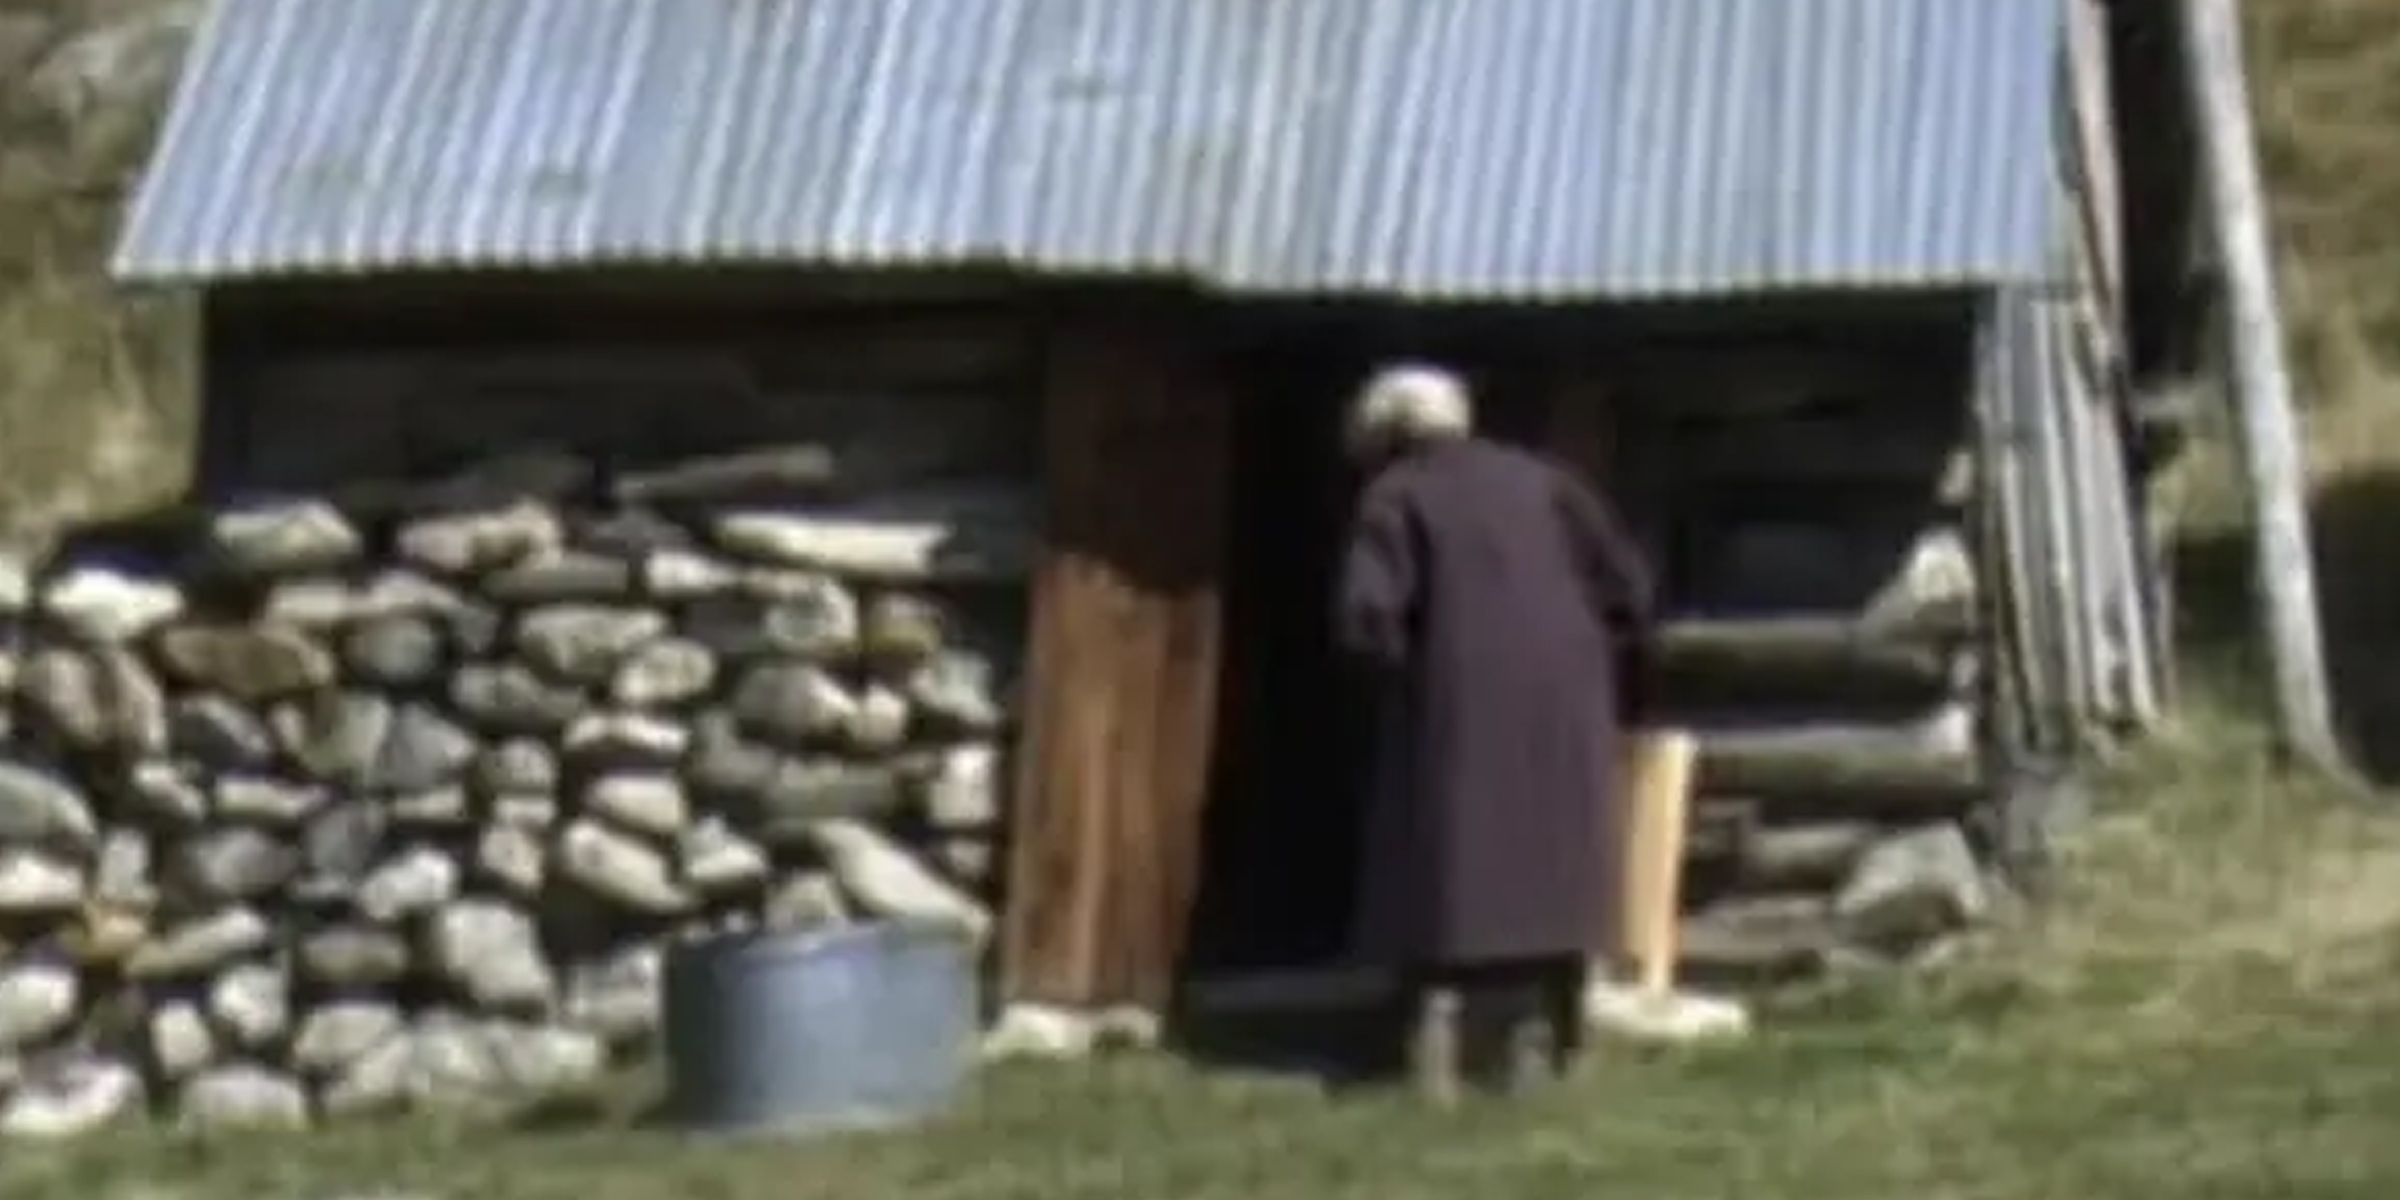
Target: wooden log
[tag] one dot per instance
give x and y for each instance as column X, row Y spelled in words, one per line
column 2270, row 441
column 1935, row 759
column 1807, row 659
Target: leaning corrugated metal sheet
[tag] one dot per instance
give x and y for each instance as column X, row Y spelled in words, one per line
column 1491, row 148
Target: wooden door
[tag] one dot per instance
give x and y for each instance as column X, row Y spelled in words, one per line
column 1122, row 684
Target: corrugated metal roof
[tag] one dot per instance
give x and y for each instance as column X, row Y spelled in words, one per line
column 1460, row 148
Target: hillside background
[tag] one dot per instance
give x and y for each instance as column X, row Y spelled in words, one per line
column 95, row 395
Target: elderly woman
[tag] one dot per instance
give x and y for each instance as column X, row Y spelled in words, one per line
column 1485, row 593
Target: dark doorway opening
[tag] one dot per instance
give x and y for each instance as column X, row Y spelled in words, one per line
column 1279, row 858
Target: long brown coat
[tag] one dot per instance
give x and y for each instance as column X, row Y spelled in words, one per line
column 1481, row 591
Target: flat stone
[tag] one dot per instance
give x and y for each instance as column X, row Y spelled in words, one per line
column 808, row 900
column 69, row 1099
column 445, row 808
column 818, row 626
column 422, row 751
column 353, row 956
column 1913, row 887
column 334, row 737
column 955, row 693
column 603, row 741
column 202, row 945
column 620, row 869
column 511, row 700
column 898, row 628
column 241, row 1096
column 166, row 796
column 716, row 861
column 34, row 883
column 218, row 733
column 881, row 723
column 513, row 857
column 652, row 804
column 806, row 790
column 962, row 791
column 630, row 533
column 251, row 1005
column 723, row 765
column 325, row 603
column 100, row 700
column 568, row 576
column 895, row 547
column 343, row 843
column 663, row 674
column 40, row 806
column 616, row 997
column 288, row 538
column 233, row 864
column 16, row 584
column 492, row 954
column 471, row 543
column 525, row 810
column 418, row 879
column 251, row 663
column 333, row 1036
column 178, row 1039
column 889, row 882
column 395, row 652
column 673, row 574
column 584, row 644
column 515, row 766
column 107, row 607
column 37, row 1002
column 542, row 1059
column 793, row 705
column 122, row 870
column 266, row 802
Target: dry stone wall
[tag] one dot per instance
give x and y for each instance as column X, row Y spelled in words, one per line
column 316, row 808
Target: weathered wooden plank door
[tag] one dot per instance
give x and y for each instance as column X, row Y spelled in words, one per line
column 1121, row 695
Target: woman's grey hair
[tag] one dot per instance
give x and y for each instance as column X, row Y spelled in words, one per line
column 1407, row 405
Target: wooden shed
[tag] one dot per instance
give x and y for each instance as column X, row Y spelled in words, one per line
column 1834, row 295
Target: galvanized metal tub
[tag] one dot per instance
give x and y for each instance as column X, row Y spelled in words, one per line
column 863, row 1027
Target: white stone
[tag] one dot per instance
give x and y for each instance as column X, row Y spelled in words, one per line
column 963, row 790
column 70, row 1100
column 37, row 1002
column 33, row 882
column 180, row 1040
column 889, row 882
column 245, row 1097
column 643, row 803
column 621, row 869
column 416, row 880
column 493, row 953
column 335, row 1035
column 716, row 860
column 251, row 1004
column 108, row 606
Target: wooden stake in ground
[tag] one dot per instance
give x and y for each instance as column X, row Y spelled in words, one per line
column 2261, row 391
column 1657, row 800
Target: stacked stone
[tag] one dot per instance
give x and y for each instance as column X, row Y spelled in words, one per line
column 322, row 815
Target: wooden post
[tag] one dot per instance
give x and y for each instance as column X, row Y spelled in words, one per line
column 2261, row 392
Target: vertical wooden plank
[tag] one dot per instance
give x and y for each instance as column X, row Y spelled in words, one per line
column 1121, row 711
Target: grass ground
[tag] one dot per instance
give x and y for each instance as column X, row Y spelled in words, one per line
column 2213, row 1011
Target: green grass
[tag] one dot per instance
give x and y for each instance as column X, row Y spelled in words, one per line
column 2213, row 1010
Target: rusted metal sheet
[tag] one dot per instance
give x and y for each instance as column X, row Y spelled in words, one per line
column 1122, row 681
column 1523, row 149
